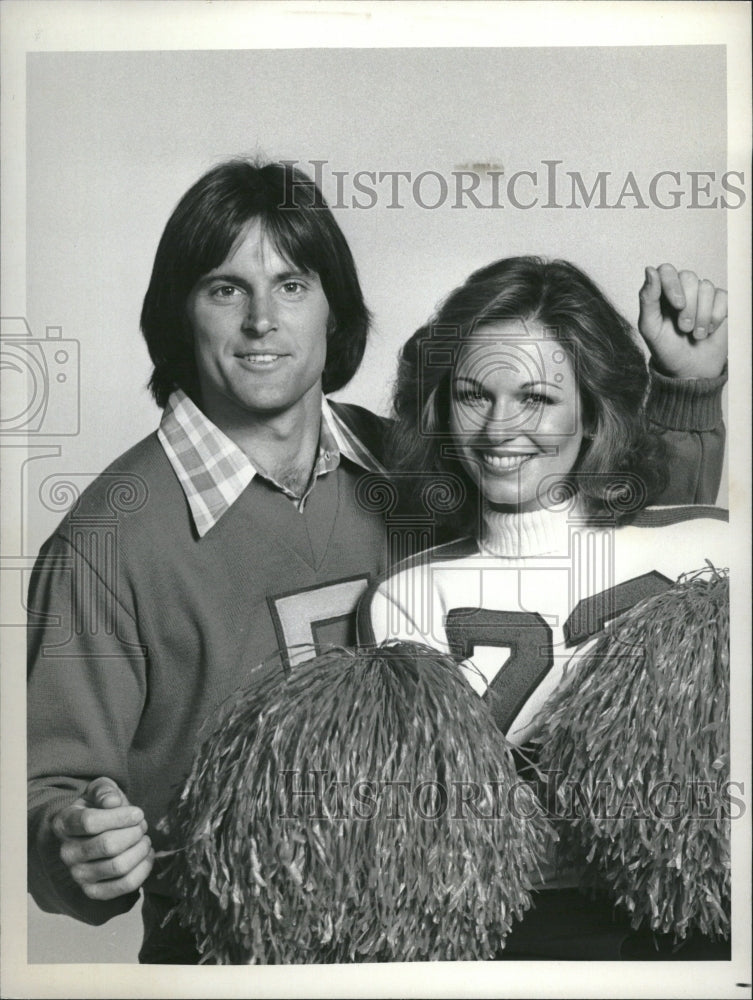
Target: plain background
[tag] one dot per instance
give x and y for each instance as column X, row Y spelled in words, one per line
column 114, row 138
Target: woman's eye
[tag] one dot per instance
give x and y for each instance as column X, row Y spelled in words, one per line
column 537, row 399
column 470, row 397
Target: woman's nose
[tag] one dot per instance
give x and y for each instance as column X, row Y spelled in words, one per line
column 507, row 417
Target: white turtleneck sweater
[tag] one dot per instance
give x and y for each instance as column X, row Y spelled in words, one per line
column 518, row 604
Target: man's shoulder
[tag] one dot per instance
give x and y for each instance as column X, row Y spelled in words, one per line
column 128, row 486
column 140, row 457
column 370, row 429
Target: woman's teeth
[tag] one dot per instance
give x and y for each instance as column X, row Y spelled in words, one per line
column 504, row 463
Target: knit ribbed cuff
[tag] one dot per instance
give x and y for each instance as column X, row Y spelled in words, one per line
column 686, row 404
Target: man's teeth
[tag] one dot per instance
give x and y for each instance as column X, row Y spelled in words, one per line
column 261, row 358
column 504, row 462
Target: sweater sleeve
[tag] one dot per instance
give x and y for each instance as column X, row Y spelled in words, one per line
column 86, row 687
column 687, row 414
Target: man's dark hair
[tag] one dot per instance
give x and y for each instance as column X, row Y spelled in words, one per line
column 206, row 223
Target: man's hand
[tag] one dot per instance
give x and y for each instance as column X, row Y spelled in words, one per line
column 684, row 322
column 103, row 841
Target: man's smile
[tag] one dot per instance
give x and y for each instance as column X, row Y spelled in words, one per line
column 260, row 359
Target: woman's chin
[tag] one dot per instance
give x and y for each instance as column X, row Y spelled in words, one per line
column 536, row 493
column 512, row 505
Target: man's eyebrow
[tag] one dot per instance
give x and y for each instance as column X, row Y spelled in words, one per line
column 235, row 278
column 298, row 272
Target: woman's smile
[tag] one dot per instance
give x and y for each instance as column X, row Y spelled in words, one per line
column 515, row 412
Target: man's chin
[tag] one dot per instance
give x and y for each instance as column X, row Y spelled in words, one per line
column 269, row 405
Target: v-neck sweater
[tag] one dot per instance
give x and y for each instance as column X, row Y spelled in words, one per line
column 144, row 629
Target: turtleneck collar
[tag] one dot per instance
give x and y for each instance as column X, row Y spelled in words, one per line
column 534, row 533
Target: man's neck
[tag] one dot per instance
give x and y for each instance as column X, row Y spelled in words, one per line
column 282, row 446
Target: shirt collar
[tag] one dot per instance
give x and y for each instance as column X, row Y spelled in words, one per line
column 348, row 444
column 212, row 469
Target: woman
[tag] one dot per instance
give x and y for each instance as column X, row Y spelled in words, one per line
column 526, row 392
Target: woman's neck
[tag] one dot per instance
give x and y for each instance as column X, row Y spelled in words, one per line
column 515, row 535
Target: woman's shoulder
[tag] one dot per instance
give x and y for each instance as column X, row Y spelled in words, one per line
column 409, row 588
column 667, row 516
column 448, row 552
column 679, row 533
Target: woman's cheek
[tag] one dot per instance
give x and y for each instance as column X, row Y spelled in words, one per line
column 471, row 463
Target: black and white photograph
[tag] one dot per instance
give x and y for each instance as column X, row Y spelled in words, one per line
column 375, row 438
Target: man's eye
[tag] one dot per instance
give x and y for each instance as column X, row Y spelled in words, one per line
column 293, row 287
column 224, row 291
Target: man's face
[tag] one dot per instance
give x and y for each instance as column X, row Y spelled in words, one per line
column 259, row 330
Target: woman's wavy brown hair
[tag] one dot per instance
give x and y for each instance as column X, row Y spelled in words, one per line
column 620, row 465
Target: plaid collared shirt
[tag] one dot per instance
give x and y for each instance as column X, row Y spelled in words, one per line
column 213, row 470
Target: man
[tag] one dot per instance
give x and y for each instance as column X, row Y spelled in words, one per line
column 232, row 533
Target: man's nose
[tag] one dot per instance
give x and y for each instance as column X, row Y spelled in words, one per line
column 261, row 317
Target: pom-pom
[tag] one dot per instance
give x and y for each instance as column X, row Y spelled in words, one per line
column 641, row 732
column 362, row 808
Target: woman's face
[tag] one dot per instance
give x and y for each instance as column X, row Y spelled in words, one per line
column 515, row 412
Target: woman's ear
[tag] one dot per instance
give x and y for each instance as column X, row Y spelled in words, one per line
column 590, row 426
